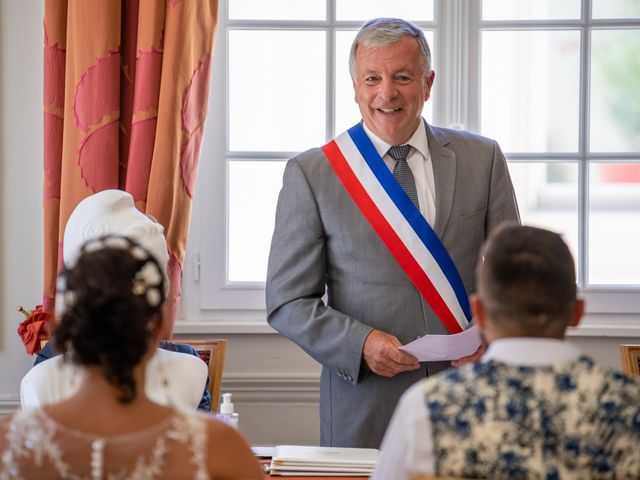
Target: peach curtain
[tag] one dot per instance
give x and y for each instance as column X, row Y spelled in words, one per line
column 126, row 84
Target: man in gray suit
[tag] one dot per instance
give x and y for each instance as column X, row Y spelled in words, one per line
column 338, row 233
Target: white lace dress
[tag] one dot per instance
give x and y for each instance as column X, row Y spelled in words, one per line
column 38, row 447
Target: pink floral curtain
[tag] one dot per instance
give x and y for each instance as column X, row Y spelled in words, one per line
column 126, row 84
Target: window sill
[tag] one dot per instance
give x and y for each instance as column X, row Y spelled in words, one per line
column 592, row 325
column 230, row 325
column 607, row 325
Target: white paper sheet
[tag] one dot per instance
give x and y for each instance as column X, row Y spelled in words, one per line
column 263, row 451
column 431, row 348
column 323, row 461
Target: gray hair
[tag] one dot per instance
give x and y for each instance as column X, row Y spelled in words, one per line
column 384, row 31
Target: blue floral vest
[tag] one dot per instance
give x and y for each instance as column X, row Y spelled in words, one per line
column 571, row 420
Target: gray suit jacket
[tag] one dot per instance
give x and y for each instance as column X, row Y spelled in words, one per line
column 322, row 241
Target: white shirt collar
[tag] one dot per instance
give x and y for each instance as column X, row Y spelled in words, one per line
column 531, row 351
column 418, row 140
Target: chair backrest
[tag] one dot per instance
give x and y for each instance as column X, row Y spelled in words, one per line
column 630, row 356
column 212, row 352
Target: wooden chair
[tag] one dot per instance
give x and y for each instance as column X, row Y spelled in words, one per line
column 212, row 352
column 630, row 356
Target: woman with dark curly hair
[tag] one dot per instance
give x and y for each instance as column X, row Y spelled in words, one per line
column 112, row 310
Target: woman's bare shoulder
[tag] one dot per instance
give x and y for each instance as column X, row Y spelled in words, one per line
column 229, row 454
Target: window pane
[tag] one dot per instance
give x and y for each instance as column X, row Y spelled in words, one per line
column 530, row 9
column 346, row 109
column 277, row 10
column 277, row 90
column 412, row 10
column 547, row 196
column 614, row 223
column 253, row 194
column 615, row 90
column 530, row 89
column 615, row 9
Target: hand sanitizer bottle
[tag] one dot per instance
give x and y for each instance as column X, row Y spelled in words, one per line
column 226, row 411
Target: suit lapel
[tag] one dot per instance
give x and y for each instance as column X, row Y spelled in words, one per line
column 444, row 174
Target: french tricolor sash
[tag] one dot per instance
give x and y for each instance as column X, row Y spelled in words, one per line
column 400, row 225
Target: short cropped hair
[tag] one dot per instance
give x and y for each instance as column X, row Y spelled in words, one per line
column 527, row 281
column 384, row 31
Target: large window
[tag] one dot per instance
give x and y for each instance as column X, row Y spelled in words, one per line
column 556, row 82
column 559, row 83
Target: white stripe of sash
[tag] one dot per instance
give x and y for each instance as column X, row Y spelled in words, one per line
column 400, row 225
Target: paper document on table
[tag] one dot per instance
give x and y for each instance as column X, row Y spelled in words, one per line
column 296, row 460
column 432, row 348
column 263, row 451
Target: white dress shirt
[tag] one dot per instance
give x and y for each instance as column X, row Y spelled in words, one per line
column 407, row 447
column 419, row 161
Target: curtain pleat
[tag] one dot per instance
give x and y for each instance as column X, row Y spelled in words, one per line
column 182, row 107
column 55, row 50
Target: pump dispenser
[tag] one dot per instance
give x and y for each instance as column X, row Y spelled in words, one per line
column 226, row 411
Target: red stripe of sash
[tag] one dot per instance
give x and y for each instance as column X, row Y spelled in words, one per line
column 389, row 237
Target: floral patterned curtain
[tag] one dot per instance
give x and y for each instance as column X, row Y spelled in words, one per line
column 126, row 84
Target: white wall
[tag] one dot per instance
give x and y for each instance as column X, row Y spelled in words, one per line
column 21, row 42
column 275, row 385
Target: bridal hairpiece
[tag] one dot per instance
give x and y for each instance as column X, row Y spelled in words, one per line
column 147, row 281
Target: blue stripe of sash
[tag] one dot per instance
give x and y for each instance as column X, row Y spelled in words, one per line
column 411, row 214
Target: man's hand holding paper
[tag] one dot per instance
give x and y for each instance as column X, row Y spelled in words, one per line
column 433, row 348
column 384, row 356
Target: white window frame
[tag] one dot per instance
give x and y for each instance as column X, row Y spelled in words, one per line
column 615, row 310
column 210, row 304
